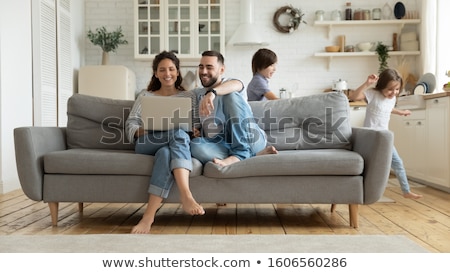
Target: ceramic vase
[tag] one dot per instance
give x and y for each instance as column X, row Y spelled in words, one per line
column 387, row 12
column 105, row 58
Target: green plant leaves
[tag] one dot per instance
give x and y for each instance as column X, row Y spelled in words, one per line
column 383, row 55
column 108, row 41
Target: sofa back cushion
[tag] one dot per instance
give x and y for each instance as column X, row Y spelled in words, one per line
column 309, row 122
column 97, row 123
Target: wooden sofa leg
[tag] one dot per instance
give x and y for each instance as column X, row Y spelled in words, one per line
column 353, row 215
column 53, row 206
column 80, row 207
column 333, row 208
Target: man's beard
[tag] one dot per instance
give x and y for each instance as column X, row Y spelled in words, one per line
column 209, row 83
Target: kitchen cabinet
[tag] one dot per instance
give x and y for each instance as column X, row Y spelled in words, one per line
column 187, row 27
column 438, row 151
column 357, row 115
column 362, row 23
column 423, row 142
column 409, row 138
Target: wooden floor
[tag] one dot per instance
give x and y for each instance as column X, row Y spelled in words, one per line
column 425, row 221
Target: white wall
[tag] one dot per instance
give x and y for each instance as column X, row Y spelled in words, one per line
column 295, row 51
column 443, row 52
column 15, row 83
column 16, row 90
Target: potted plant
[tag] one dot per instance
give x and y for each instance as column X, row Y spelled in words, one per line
column 108, row 41
column 383, row 55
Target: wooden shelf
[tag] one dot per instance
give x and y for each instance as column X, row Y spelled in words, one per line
column 367, row 22
column 401, row 23
column 331, row 55
column 363, row 53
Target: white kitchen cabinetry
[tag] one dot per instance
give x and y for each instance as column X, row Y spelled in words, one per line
column 423, row 142
column 410, row 138
column 187, row 27
column 438, row 134
column 357, row 115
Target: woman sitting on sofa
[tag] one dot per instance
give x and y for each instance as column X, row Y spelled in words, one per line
column 171, row 148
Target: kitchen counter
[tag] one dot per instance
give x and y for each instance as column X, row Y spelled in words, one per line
column 436, row 95
column 357, row 103
column 352, row 103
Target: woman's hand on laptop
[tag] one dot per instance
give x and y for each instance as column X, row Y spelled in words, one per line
column 196, row 132
column 140, row 132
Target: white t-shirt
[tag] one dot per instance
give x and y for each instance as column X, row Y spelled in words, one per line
column 378, row 111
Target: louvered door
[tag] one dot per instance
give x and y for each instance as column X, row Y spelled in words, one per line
column 64, row 59
column 52, row 66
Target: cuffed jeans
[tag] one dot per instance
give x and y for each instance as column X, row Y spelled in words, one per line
column 400, row 173
column 171, row 151
column 241, row 136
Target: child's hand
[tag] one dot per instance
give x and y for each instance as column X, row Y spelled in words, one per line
column 406, row 113
column 371, row 79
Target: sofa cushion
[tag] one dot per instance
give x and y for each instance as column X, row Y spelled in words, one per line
column 104, row 162
column 310, row 122
column 288, row 163
column 97, row 123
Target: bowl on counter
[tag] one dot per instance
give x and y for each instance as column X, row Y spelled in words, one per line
column 332, row 48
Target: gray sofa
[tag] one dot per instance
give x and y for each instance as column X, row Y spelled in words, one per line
column 321, row 160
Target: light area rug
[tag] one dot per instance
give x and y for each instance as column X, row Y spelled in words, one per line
column 128, row 243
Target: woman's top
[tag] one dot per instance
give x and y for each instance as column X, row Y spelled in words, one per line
column 257, row 87
column 378, row 110
column 134, row 120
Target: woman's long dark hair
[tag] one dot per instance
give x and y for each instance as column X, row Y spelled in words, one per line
column 155, row 84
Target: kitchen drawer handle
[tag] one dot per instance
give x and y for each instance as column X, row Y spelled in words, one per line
column 436, row 101
column 356, row 108
column 419, row 123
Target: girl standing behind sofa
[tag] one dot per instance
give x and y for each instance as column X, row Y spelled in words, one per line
column 380, row 104
column 264, row 64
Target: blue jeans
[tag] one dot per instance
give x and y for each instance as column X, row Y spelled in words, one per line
column 240, row 136
column 171, row 151
column 397, row 166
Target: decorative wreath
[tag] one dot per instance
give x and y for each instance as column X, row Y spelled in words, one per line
column 295, row 20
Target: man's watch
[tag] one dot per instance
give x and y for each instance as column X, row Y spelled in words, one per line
column 211, row 91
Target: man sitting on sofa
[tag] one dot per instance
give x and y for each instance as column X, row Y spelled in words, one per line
column 229, row 132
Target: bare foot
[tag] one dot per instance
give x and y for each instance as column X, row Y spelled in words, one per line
column 190, row 206
column 227, row 161
column 411, row 195
column 143, row 227
column 269, row 150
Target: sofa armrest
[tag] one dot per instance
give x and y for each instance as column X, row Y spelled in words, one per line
column 31, row 144
column 375, row 146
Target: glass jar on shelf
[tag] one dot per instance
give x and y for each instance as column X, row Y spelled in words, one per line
column 376, row 14
column 320, row 15
column 348, row 11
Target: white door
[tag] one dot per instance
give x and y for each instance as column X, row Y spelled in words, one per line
column 52, row 61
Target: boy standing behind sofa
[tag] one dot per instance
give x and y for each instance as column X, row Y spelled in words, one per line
column 264, row 64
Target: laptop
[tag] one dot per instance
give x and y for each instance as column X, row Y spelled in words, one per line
column 163, row 113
